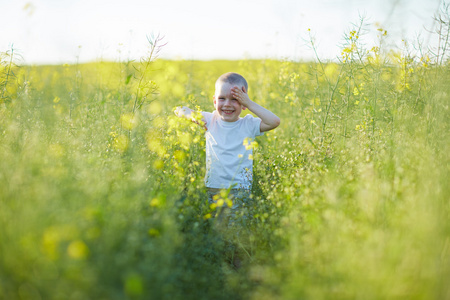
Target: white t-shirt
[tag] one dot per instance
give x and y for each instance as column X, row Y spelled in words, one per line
column 228, row 162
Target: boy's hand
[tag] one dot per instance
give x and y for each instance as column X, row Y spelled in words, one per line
column 241, row 96
column 269, row 120
column 183, row 112
column 187, row 113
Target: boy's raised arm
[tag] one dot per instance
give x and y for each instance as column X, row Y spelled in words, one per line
column 187, row 113
column 269, row 120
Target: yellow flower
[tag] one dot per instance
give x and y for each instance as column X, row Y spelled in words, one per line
column 250, row 144
column 158, row 164
column 179, row 155
column 153, row 232
column 121, row 143
column 78, row 250
column 229, row 203
column 155, row 202
column 185, row 139
column 155, row 145
column 128, row 121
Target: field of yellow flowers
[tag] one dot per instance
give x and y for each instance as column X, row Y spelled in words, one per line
column 102, row 193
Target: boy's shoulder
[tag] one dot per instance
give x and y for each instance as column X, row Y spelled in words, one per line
column 206, row 113
column 249, row 117
column 209, row 116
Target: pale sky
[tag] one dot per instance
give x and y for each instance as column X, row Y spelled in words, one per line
column 62, row 31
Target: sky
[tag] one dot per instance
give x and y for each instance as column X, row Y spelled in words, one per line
column 67, row 31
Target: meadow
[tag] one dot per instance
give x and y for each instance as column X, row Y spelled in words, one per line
column 102, row 193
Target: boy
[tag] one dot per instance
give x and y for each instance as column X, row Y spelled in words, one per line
column 229, row 154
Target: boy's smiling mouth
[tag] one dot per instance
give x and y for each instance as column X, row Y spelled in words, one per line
column 227, row 111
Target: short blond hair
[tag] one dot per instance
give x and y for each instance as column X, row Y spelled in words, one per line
column 233, row 78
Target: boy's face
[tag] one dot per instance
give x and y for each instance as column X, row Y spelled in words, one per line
column 226, row 105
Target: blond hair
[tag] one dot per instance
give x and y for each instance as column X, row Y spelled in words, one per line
column 232, row 78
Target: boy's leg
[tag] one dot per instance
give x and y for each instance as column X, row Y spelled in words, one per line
column 220, row 213
column 232, row 222
column 240, row 210
column 238, row 226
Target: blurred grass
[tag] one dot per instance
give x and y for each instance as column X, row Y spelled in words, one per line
column 351, row 191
